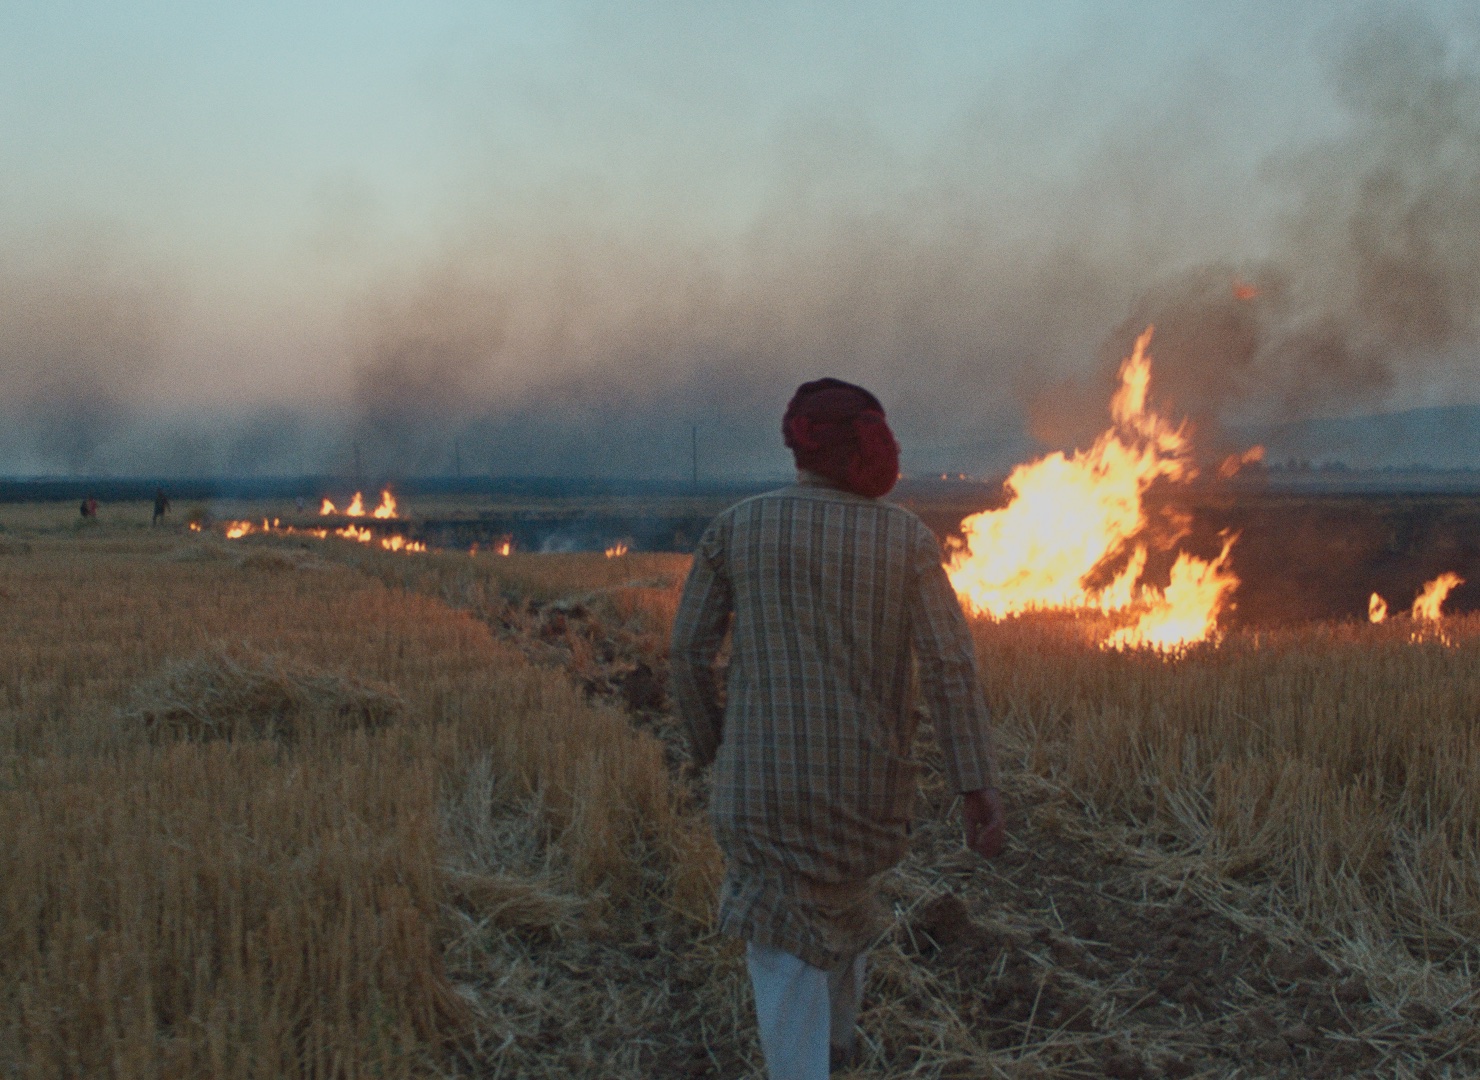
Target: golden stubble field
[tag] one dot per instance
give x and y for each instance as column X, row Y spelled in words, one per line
column 269, row 809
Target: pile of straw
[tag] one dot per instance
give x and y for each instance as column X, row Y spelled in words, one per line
column 240, row 694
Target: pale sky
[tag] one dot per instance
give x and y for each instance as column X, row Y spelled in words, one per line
column 282, row 188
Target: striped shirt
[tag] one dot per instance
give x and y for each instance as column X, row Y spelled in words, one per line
column 826, row 597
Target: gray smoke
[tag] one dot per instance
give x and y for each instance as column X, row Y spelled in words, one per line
column 81, row 333
column 1376, row 274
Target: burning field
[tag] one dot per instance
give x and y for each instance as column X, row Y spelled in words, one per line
column 333, row 793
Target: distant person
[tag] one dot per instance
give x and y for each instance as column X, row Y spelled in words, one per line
column 830, row 599
column 161, row 506
column 89, row 509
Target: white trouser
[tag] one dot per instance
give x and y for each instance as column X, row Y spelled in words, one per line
column 801, row 1010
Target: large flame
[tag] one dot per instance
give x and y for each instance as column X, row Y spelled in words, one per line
column 387, row 507
column 1431, row 597
column 1070, row 520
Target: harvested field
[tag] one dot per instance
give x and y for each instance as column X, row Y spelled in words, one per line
column 268, row 809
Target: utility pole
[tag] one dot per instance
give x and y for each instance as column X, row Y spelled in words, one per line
column 457, row 459
column 694, row 454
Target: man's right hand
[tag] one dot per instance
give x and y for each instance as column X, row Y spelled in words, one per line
column 985, row 821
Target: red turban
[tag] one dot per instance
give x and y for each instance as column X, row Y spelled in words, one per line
column 837, row 430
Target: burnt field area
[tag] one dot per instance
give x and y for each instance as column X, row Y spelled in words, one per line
column 1299, row 556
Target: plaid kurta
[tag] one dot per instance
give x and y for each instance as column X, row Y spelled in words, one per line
column 825, row 595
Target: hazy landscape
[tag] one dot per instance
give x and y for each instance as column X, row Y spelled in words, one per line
column 444, row 329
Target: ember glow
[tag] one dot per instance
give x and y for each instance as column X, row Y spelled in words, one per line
column 1075, row 520
column 1430, row 599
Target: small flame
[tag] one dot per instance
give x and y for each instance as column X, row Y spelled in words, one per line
column 387, row 507
column 1233, row 463
column 195, row 526
column 235, row 530
column 327, row 508
column 1377, row 609
column 356, row 507
column 616, row 550
column 1432, row 596
column 506, row 547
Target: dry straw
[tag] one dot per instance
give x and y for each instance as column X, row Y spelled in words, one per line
column 233, row 860
column 256, row 821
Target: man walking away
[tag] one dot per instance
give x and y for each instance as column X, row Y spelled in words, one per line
column 832, row 600
column 161, row 506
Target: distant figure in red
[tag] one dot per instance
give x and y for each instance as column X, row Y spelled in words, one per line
column 89, row 509
column 161, row 506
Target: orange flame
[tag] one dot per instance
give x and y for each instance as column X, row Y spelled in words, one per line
column 1432, row 596
column 616, row 550
column 1377, row 609
column 387, row 507
column 1187, row 610
column 356, row 507
column 400, row 543
column 327, row 508
column 1070, row 518
column 1233, row 463
column 235, row 530
column 506, row 547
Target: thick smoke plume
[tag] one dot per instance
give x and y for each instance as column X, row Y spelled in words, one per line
column 550, row 334
column 599, row 358
column 1376, row 276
